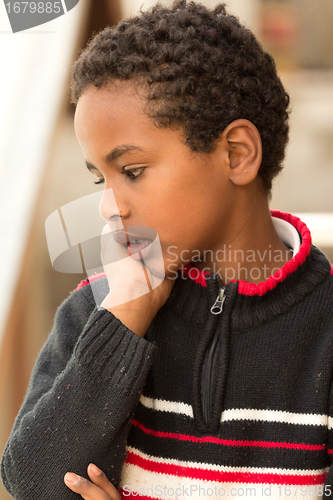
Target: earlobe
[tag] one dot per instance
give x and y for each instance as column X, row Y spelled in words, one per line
column 245, row 151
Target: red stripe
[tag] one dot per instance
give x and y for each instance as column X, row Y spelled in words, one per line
column 331, row 268
column 246, row 288
column 223, row 476
column 229, row 442
column 330, row 452
column 86, row 282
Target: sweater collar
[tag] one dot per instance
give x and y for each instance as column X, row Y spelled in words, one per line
column 288, row 234
column 195, row 291
column 299, row 257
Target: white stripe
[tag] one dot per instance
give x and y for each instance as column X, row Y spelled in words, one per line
column 275, row 416
column 169, row 406
column 225, row 468
column 242, row 414
column 157, row 485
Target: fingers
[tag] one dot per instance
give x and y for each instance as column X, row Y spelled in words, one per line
column 99, row 489
column 112, row 250
column 85, row 488
column 99, row 478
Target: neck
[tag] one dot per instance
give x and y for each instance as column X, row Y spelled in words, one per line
column 249, row 249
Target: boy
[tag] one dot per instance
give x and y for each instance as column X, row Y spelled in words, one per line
column 216, row 383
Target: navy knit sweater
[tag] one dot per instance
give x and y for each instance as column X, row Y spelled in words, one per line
column 234, row 404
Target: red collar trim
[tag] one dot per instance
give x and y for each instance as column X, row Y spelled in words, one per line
column 246, row 288
column 91, row 278
column 195, row 274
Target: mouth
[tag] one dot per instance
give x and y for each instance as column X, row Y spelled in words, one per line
column 135, row 242
column 130, row 239
column 138, row 246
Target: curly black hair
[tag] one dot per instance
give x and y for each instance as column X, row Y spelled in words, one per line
column 202, row 70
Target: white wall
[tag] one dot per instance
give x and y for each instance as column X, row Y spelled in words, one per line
column 35, row 64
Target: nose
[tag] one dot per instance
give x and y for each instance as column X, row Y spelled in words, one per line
column 109, row 210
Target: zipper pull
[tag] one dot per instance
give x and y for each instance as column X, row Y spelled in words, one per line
column 218, row 304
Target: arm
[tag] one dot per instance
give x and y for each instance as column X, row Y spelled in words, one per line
column 83, row 390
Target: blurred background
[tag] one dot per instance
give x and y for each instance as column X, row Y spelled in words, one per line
column 42, row 167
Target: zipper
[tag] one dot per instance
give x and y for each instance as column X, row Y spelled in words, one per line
column 210, row 364
column 218, row 304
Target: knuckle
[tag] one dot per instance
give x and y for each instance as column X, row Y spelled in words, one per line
column 83, row 484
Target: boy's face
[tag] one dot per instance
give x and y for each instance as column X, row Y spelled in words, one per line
column 185, row 196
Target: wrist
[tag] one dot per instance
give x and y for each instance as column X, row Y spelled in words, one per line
column 136, row 314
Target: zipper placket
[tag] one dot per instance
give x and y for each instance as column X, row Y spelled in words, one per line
column 210, row 360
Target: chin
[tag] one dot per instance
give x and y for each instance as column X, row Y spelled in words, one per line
column 161, row 268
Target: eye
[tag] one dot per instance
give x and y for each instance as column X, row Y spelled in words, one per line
column 130, row 174
column 100, row 181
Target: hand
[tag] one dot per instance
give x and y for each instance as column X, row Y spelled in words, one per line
column 138, row 288
column 99, row 489
column 133, row 273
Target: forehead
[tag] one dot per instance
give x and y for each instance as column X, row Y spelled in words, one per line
column 109, row 117
column 102, row 107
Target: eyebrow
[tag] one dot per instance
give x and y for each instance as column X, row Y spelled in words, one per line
column 116, row 153
column 120, row 150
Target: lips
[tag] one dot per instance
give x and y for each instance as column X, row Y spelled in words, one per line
column 138, row 242
column 138, row 248
column 124, row 238
column 143, row 236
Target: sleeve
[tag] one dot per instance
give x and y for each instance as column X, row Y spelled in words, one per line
column 78, row 408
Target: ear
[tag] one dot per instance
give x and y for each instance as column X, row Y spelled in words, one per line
column 243, row 143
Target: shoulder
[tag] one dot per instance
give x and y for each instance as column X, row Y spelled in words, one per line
column 321, row 300
column 320, row 262
column 92, row 289
column 75, row 310
column 323, row 269
column 71, row 318
column 86, row 282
